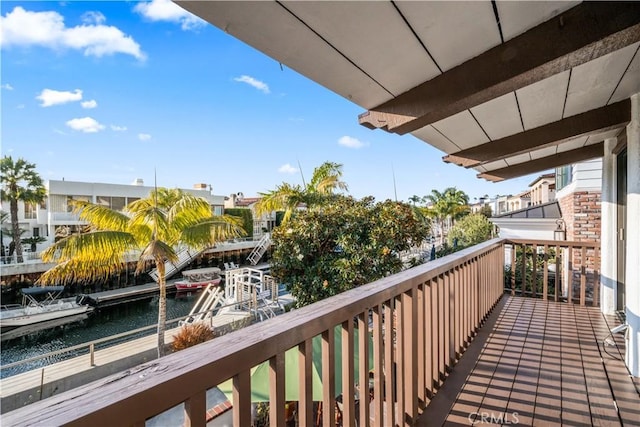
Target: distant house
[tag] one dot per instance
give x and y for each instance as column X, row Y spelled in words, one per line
column 261, row 224
column 543, row 189
column 54, row 219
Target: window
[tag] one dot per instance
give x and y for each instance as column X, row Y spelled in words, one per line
column 564, row 175
column 115, row 203
column 36, row 232
column 30, row 211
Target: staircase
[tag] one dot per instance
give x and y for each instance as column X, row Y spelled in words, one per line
column 212, row 297
column 170, row 268
column 260, row 249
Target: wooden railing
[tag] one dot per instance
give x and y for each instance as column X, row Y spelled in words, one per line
column 557, row 270
column 419, row 322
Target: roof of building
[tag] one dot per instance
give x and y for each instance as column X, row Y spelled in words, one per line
column 545, row 176
column 549, row 210
column 247, row 201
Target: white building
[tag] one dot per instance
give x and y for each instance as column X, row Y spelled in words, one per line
column 54, row 218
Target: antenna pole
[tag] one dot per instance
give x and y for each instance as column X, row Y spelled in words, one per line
column 301, row 174
column 393, row 173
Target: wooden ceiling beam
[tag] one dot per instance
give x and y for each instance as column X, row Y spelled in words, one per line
column 579, row 35
column 549, row 162
column 591, row 122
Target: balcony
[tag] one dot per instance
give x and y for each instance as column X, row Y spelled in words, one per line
column 452, row 339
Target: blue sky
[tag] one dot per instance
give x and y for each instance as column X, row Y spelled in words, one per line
column 111, row 91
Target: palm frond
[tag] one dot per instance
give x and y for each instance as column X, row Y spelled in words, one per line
column 156, row 251
column 77, row 270
column 284, row 197
column 100, row 247
column 211, row 230
column 100, row 217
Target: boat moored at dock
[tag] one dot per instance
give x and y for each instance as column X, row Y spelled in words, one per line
column 199, row 278
column 37, row 314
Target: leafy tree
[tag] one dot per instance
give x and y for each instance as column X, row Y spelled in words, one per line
column 486, row 211
column 470, row 230
column 155, row 226
column 347, row 243
column 326, row 179
column 20, row 182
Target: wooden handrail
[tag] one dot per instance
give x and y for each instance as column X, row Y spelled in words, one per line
column 452, row 295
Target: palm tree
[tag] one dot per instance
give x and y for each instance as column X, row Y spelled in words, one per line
column 447, row 206
column 326, row 179
column 415, row 199
column 20, row 182
column 153, row 227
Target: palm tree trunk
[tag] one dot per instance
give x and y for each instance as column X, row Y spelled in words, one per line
column 162, row 306
column 15, row 226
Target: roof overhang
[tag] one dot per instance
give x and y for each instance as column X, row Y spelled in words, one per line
column 507, row 88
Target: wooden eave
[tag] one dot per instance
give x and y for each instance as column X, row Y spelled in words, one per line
column 577, row 36
column 560, row 159
column 591, row 122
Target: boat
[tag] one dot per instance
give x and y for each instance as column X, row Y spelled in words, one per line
column 199, row 278
column 42, row 308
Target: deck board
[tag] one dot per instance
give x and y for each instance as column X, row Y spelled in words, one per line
column 545, row 361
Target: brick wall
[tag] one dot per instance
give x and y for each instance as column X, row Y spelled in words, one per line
column 582, row 215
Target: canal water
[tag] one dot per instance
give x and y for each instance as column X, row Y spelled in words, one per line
column 101, row 323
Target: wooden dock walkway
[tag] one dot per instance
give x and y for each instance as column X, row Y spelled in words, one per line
column 128, row 294
column 23, row 389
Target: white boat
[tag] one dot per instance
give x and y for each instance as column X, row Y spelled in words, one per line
column 37, row 314
column 199, row 278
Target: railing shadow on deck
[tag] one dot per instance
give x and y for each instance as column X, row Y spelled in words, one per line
column 421, row 320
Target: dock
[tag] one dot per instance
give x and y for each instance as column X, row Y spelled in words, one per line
column 22, row 389
column 128, row 294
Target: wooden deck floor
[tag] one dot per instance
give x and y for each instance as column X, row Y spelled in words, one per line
column 539, row 363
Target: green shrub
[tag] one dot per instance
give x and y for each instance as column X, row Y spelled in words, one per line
column 247, row 218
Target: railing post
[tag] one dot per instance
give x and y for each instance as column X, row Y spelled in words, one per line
column 305, row 404
column 276, row 391
column 242, row 398
column 534, row 271
column 328, row 378
column 195, row 410
column 92, row 355
column 545, row 273
column 378, row 370
column 348, row 377
column 363, row 365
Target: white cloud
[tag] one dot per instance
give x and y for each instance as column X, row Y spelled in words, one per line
column 25, row 28
column 50, row 97
column 261, row 86
column 85, row 124
column 20, row 106
column 144, row 136
column 89, row 104
column 116, row 128
column 351, row 142
column 93, row 17
column 7, row 86
column 287, row 168
column 165, row 10
column 59, row 132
